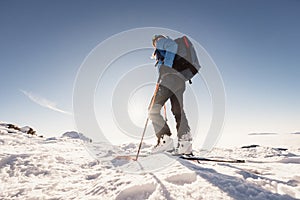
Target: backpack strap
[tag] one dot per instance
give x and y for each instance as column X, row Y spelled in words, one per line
column 186, row 42
column 188, row 48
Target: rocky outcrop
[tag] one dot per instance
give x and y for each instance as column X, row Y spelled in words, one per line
column 12, row 128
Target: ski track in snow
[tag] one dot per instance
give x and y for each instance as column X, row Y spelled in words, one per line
column 61, row 168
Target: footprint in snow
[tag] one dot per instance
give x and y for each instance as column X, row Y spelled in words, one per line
column 137, row 192
column 181, row 179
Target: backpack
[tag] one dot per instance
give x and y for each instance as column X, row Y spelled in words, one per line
column 186, row 61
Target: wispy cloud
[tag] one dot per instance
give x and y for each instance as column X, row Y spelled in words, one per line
column 44, row 102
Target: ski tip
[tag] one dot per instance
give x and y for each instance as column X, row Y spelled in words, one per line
column 125, row 158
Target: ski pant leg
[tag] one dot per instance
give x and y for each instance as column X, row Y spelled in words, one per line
column 182, row 125
column 160, row 125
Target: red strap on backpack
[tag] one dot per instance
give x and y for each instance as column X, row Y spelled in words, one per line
column 186, row 42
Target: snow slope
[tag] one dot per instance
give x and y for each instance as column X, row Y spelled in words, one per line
column 61, row 168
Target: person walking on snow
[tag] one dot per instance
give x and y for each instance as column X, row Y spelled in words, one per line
column 171, row 86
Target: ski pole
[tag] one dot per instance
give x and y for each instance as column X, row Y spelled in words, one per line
column 151, row 105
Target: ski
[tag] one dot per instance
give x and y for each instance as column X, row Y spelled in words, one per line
column 185, row 157
column 130, row 156
column 198, row 159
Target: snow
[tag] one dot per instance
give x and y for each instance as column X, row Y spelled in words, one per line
column 75, row 135
column 32, row 167
column 25, row 129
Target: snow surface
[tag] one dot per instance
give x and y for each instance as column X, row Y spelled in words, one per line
column 61, row 168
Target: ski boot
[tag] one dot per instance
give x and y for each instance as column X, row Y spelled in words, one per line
column 165, row 143
column 184, row 146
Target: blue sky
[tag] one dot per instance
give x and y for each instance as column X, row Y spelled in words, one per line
column 255, row 45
